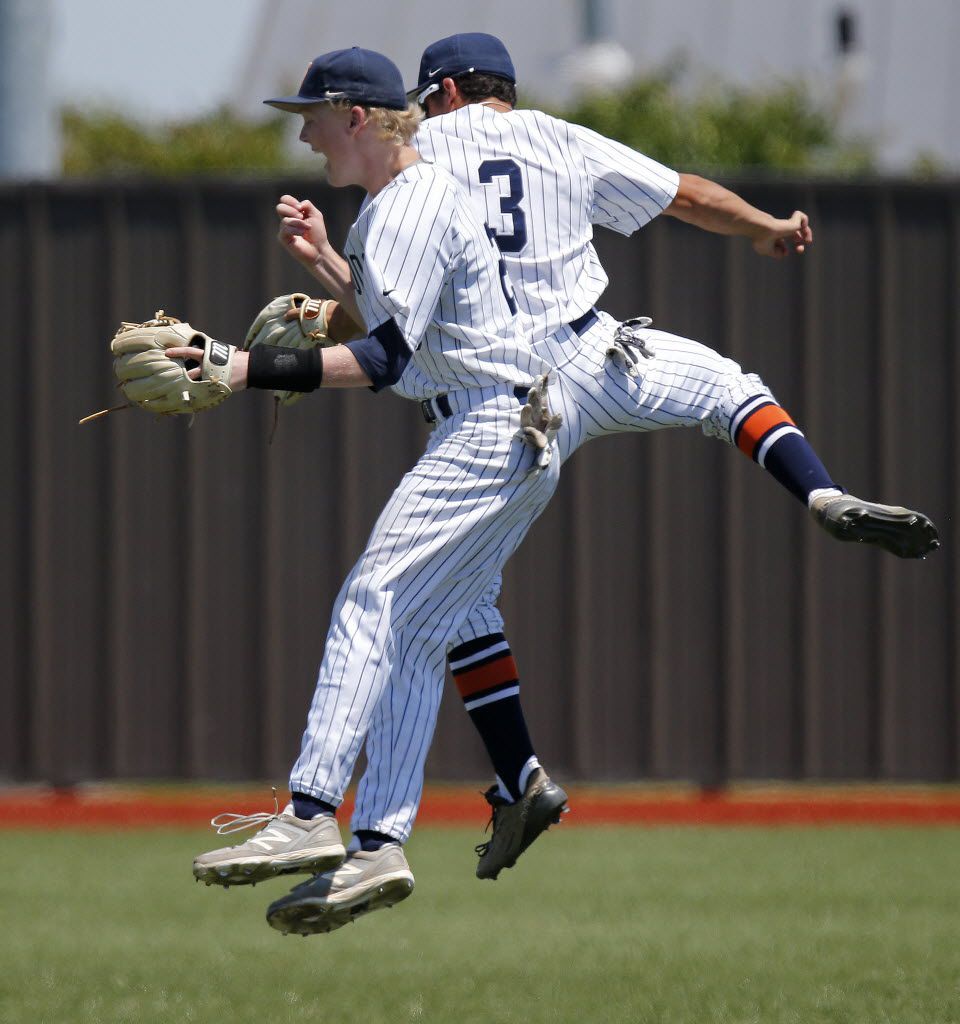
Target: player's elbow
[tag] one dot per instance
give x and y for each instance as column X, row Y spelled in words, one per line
column 383, row 355
column 389, row 377
column 693, row 194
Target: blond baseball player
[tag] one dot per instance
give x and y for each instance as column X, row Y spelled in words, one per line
column 426, row 281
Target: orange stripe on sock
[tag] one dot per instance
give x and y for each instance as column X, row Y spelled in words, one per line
column 757, row 424
column 503, row 670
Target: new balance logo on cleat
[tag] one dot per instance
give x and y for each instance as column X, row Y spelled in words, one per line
column 285, row 845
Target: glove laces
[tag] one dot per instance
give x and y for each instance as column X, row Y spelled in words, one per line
column 160, row 319
column 230, row 822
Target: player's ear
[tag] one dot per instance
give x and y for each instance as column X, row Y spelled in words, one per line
column 449, row 89
column 358, row 118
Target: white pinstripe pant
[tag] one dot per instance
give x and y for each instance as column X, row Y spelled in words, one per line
column 683, row 383
column 436, row 548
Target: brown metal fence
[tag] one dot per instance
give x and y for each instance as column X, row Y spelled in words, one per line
column 675, row 615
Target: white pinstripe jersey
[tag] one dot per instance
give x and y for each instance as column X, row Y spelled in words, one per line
column 419, row 255
column 541, row 184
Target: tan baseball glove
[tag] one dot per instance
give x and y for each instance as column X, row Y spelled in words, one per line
column 291, row 321
column 151, row 380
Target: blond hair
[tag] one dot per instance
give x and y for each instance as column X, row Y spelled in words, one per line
column 397, row 126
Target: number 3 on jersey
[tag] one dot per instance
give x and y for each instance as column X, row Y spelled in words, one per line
column 515, row 238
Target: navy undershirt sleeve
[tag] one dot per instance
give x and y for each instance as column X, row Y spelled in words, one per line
column 383, row 356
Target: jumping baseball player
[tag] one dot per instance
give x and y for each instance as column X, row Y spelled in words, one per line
column 541, row 184
column 427, row 281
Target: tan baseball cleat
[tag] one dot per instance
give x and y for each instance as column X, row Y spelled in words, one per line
column 900, row 531
column 517, row 825
column 285, row 845
column 363, row 883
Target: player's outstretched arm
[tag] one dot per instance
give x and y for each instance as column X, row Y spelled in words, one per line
column 303, row 234
column 710, row 206
column 340, row 368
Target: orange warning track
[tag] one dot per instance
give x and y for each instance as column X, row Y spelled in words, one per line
column 155, row 807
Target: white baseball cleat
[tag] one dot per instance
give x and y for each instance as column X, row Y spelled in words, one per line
column 364, row 882
column 900, row 531
column 285, row 845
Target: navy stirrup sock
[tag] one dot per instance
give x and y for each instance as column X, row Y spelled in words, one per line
column 765, row 433
column 487, row 680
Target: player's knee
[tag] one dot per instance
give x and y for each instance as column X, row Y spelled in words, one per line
column 738, row 393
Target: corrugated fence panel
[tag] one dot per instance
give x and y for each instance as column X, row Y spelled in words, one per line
column 842, row 605
column 762, row 606
column 167, row 587
column 919, row 396
column 15, row 511
column 67, row 470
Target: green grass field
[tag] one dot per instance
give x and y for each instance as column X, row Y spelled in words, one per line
column 601, row 925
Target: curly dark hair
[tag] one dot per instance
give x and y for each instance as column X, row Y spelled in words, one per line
column 476, row 86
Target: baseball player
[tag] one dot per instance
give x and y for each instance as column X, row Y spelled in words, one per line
column 427, row 281
column 541, row 184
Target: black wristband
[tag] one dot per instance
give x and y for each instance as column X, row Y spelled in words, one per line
column 285, row 369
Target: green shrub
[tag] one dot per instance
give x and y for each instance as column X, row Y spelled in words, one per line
column 107, row 142
column 725, row 128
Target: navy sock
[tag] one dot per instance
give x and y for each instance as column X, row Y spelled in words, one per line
column 792, row 462
column 307, row 807
column 487, row 680
column 503, row 730
column 765, row 433
column 371, row 841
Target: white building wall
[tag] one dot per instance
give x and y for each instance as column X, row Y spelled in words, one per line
column 29, row 130
column 901, row 85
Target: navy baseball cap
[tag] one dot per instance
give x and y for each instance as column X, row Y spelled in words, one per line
column 361, row 76
column 459, row 54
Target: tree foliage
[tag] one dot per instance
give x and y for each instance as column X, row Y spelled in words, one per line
column 725, row 128
column 110, row 143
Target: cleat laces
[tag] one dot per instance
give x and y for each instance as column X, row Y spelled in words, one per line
column 496, row 801
column 230, row 822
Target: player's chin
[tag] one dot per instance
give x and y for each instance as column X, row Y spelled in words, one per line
column 330, row 171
